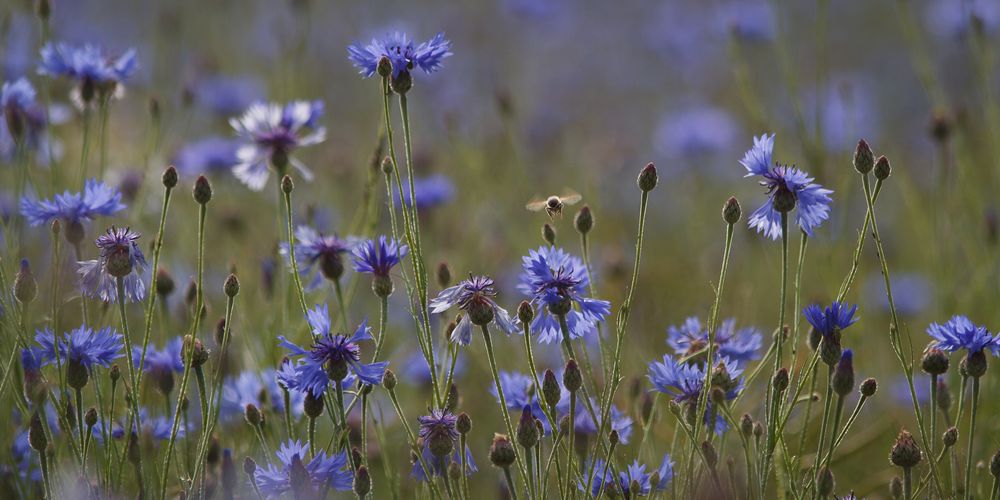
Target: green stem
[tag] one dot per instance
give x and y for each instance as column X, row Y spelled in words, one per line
column 85, row 146
column 157, row 247
column 428, row 472
column 133, row 395
column 772, row 417
column 972, row 437
column 503, row 400
column 291, row 253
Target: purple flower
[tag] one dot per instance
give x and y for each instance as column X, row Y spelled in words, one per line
column 604, row 479
column 440, row 424
column 401, row 52
column 120, row 258
column 97, row 199
column 696, row 132
column 161, row 364
column 271, row 133
column 260, row 389
column 556, row 279
column 226, row 95
column 838, row 316
column 323, row 472
column 378, row 257
column 430, row 191
column 439, row 467
column 83, row 345
column 960, row 333
column 90, row 67
column 207, row 155
column 738, row 345
column 330, row 359
column 24, row 124
column 684, row 382
column 474, row 297
column 787, row 188
column 17, row 102
column 317, row 251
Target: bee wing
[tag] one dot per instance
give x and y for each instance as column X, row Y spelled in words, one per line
column 535, row 205
column 570, row 197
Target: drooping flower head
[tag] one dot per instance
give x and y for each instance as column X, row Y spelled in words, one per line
column 73, row 209
column 438, row 431
column 558, row 280
column 271, row 133
column 401, row 53
column 120, row 257
column 474, row 297
column 319, row 251
column 331, row 358
column 604, row 479
column 960, row 332
column 738, row 345
column 96, row 74
column 303, row 477
column 787, row 188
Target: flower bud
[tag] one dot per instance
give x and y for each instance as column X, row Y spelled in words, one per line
column 36, row 434
column 646, row 408
column 25, row 286
column 843, row 374
column 746, row 424
column 614, row 438
column 950, row 437
column 572, row 378
column 451, row 400
column 896, row 488
column 501, row 451
column 647, row 178
column 382, row 286
column 197, row 350
column 550, row 389
column 227, row 474
column 934, row 361
column 549, row 233
column 134, row 452
column 584, row 220
column 75, row 232
column 943, row 396
column 830, row 349
column 443, row 274
column 525, row 312
column 731, row 211
column 864, row 158
column 975, row 364
column 165, row 284
column 384, row 67
column 252, row 415
column 905, row 452
column 464, row 423
column 115, row 373
column 711, row 457
column 402, row 82
column 389, row 380
column 387, row 166
column 758, row 430
column 362, row 482
column 232, row 286
column 249, row 466
column 312, row 406
column 780, row 381
column 995, row 465
column 527, row 433
column 77, row 374
column 882, row 168
column 202, row 190
column 784, row 199
column 169, row 177
column 287, row 186
column 212, row 455
column 868, row 387
column 90, row 418
column 825, row 482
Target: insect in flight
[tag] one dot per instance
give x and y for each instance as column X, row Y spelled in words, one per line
column 553, row 205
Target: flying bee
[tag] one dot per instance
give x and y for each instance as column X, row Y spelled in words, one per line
column 554, row 204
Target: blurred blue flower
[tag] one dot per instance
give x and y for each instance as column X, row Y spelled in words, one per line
column 261, row 390
column 553, row 278
column 227, row 95
column 329, row 354
column 120, row 257
column 439, row 468
column 785, row 186
column 684, row 382
column 738, row 345
column 16, row 98
column 749, row 20
column 96, row 73
column 379, row 256
column 519, row 391
column 603, row 479
column 955, row 18
column 207, row 155
column 901, row 391
column 97, row 199
column 836, row 317
column 431, row 191
column 911, row 292
column 25, row 458
column 88, row 347
column 401, row 52
column 960, row 333
column 583, row 420
column 320, row 255
column 160, row 362
column 696, row 132
column 271, row 133
column 414, row 369
column 474, row 297
column 324, row 472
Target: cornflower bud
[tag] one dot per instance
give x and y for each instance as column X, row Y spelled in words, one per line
column 647, row 178
column 202, row 190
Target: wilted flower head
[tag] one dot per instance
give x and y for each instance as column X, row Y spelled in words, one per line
column 89, row 67
column 317, row 251
column 738, row 345
column 960, row 333
column 604, row 479
column 379, row 256
column 438, row 431
column 96, row 199
column 401, row 52
column 834, row 318
column 787, row 188
column 90, row 348
column 322, row 472
column 474, row 297
column 558, row 280
column 120, row 257
column 331, row 358
column 271, row 133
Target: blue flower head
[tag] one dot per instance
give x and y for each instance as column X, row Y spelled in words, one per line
column 207, row 155
column 430, row 191
column 787, row 188
column 439, row 467
column 324, row 472
column 474, row 297
column 90, row 348
column 261, row 390
column 603, row 479
column 88, row 65
column 316, row 251
column 167, row 359
column 401, row 52
column 73, row 209
column 438, row 426
column 270, row 133
column 738, row 345
column 379, row 256
column 24, row 124
column 684, row 381
column 835, row 318
column 120, row 257
column 17, row 102
column 558, row 280
column 331, row 358
column 961, row 333
column 226, row 95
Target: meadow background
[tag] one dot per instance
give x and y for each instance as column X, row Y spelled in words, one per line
column 540, row 96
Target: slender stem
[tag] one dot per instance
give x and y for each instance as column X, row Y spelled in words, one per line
column 503, row 401
column 972, row 437
column 85, row 146
column 291, row 253
column 428, row 472
column 772, row 418
column 510, row 483
column 907, row 484
column 571, row 435
column 157, row 247
column 103, row 134
column 132, row 389
column 340, row 302
column 933, row 411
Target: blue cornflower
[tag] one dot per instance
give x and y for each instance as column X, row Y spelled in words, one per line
column 960, row 333
column 120, row 257
column 831, row 320
column 584, row 421
column 315, row 250
column 519, row 391
column 156, row 427
column 438, row 431
column 474, row 297
column 17, row 102
column 26, row 458
column 401, row 52
column 330, row 359
column 439, row 467
column 414, row 369
column 684, row 382
column 431, row 191
column 604, row 479
column 73, row 209
column 161, row 364
column 696, row 132
column 93, row 70
column 556, row 279
column 84, row 346
column 738, row 345
column 954, row 18
column 227, row 95
column 271, row 133
column 207, row 155
column 379, row 256
column 261, row 390
column 787, row 187
column 323, row 471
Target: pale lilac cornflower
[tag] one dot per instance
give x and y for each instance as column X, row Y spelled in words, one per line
column 401, row 53
column 19, row 109
column 120, row 258
column 271, row 133
column 557, row 280
column 73, row 209
column 604, row 479
column 379, row 256
column 439, row 442
column 323, row 472
column 788, row 188
column 474, row 297
column 95, row 73
column 321, row 255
